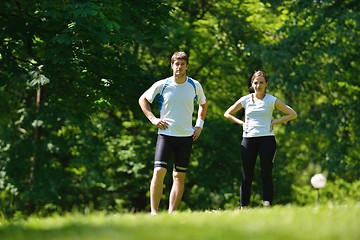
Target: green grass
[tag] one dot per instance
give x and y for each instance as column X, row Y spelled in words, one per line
column 316, row 222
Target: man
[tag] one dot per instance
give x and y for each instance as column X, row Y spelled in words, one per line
column 176, row 134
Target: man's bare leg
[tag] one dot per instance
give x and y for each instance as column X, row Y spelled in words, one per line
column 156, row 188
column 177, row 190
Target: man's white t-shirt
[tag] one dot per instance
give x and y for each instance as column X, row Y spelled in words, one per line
column 258, row 115
column 176, row 104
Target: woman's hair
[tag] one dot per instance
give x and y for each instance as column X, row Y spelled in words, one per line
column 181, row 56
column 257, row 73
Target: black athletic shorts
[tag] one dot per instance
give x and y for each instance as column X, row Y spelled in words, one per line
column 177, row 147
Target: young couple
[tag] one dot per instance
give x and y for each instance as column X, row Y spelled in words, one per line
column 176, row 133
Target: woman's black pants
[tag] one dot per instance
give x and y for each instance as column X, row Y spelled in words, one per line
column 265, row 147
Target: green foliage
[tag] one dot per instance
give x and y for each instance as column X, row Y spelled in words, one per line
column 317, row 71
column 66, row 66
column 74, row 139
column 338, row 192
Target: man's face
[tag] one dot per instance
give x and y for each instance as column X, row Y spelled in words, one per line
column 179, row 67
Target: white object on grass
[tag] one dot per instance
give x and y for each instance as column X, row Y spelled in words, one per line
column 318, row 181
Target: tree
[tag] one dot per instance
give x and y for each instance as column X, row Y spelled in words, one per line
column 65, row 67
column 74, row 138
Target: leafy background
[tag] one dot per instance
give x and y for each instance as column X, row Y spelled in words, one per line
column 73, row 138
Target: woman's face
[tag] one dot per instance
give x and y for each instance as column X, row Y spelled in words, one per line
column 259, row 84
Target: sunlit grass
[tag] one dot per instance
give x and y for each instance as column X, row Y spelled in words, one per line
column 315, row 222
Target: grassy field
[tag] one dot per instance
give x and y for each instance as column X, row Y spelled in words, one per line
column 316, row 222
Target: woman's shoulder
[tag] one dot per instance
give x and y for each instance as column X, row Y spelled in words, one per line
column 271, row 97
column 244, row 100
column 245, row 97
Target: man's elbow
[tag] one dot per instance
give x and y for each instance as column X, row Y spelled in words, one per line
column 141, row 100
column 294, row 116
column 205, row 105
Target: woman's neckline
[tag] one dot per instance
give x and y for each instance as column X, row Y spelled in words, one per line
column 256, row 99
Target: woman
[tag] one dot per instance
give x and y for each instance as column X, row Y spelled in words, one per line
column 258, row 135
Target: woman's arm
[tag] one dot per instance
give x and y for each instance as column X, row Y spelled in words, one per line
column 282, row 107
column 229, row 113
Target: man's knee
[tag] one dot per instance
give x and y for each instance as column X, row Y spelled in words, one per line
column 179, row 176
column 159, row 172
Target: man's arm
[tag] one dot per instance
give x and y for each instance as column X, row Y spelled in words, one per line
column 202, row 111
column 145, row 107
column 200, row 120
